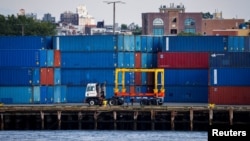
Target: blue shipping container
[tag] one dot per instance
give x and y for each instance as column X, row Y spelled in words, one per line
column 46, row 94
column 25, row 42
column 50, row 58
column 60, row 94
column 36, row 76
column 57, row 76
column 186, row 77
column 36, row 94
column 129, row 42
column 137, row 43
column 75, row 94
column 85, row 76
column 195, row 43
column 236, row 43
column 229, row 77
column 19, row 58
column 186, row 94
column 85, row 43
column 89, row 59
column 16, row 95
column 16, row 77
column 230, row 59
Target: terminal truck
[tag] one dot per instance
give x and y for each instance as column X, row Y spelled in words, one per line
column 95, row 93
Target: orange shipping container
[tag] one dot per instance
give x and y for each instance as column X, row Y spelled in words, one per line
column 229, row 95
column 57, row 58
column 47, row 76
column 137, row 60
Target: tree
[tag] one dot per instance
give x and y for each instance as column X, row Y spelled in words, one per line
column 22, row 25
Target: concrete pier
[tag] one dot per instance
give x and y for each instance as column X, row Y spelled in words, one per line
column 130, row 117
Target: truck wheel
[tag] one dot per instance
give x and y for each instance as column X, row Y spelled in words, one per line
column 112, row 102
column 91, row 102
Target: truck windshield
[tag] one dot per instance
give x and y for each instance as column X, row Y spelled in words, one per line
column 91, row 88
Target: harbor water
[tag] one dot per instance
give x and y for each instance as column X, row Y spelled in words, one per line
column 102, row 135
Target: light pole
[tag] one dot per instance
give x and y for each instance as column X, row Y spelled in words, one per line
column 113, row 2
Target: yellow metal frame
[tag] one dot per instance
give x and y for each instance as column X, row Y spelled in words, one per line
column 156, row 71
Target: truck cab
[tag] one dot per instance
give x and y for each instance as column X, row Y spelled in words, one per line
column 95, row 93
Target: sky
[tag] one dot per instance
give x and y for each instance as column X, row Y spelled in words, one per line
column 126, row 13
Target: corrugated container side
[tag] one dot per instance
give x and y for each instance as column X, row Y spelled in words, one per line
column 229, row 77
column 60, row 94
column 138, row 80
column 43, row 58
column 85, row 76
column 228, row 95
column 143, row 43
column 137, row 43
column 120, row 56
column 186, row 77
column 247, row 44
column 76, row 94
column 195, row 43
column 85, row 43
column 150, row 44
column 89, row 59
column 120, row 42
column 50, row 58
column 46, row 94
column 57, row 58
column 183, row 60
column 150, row 78
column 43, row 76
column 230, row 59
column 57, row 76
column 16, row 77
column 187, row 94
column 129, row 59
column 137, row 57
column 157, row 43
column 144, row 80
column 47, row 76
column 19, row 58
column 129, row 43
column 16, row 95
column 144, row 60
column 36, row 76
column 36, row 94
column 24, row 42
column 236, row 44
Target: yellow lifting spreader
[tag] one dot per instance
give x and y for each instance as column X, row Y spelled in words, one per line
column 156, row 71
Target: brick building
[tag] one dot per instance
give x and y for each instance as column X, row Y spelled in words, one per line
column 173, row 20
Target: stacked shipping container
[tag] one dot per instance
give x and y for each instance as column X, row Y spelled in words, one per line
column 56, row 69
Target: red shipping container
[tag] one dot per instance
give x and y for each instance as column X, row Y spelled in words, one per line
column 229, row 95
column 150, row 78
column 137, row 60
column 43, row 76
column 57, row 58
column 183, row 60
column 138, row 78
column 47, row 76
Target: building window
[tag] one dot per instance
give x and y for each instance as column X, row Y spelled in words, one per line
column 158, row 26
column 189, row 26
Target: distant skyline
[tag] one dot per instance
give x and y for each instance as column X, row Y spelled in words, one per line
column 127, row 13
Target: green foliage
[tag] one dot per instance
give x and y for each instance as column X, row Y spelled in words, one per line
column 21, row 25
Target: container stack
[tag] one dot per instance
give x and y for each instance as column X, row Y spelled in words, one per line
column 229, row 74
column 138, row 52
column 57, row 69
column 186, row 63
column 21, row 59
column 86, row 59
